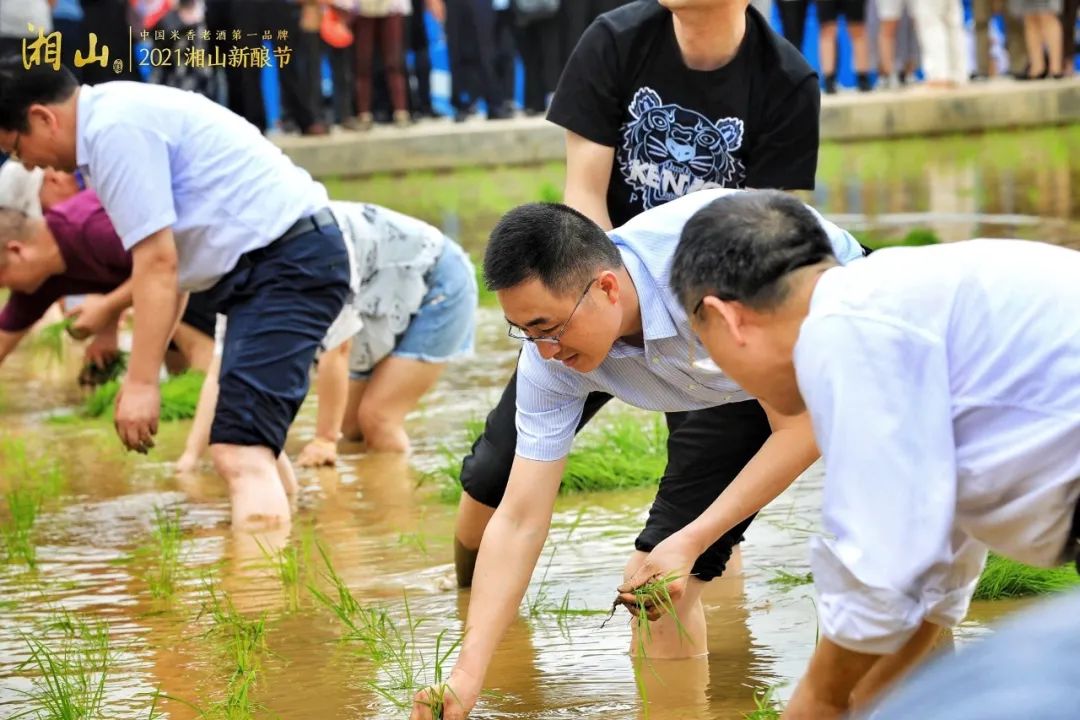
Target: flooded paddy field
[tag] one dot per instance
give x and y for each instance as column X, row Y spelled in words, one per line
column 122, row 587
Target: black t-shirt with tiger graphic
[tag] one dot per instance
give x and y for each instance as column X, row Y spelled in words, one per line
column 752, row 123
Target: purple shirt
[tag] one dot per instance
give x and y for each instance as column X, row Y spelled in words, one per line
column 95, row 259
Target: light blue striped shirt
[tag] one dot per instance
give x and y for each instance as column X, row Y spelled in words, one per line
column 658, row 376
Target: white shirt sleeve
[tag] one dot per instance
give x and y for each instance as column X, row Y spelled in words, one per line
column 845, row 247
column 878, row 395
column 130, row 170
column 549, row 407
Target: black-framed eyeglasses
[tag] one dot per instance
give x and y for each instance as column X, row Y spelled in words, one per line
column 553, row 339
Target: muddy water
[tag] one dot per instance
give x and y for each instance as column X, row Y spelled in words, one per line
column 390, row 539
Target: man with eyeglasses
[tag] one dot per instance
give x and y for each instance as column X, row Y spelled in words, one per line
column 943, row 384
column 596, row 314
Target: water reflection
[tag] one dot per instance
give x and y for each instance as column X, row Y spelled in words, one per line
column 390, row 542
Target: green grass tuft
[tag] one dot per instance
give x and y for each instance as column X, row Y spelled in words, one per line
column 789, row 580
column 1004, row 578
column 766, row 706
column 31, row 482
column 167, row 535
column 179, row 397
column 628, row 452
column 71, row 670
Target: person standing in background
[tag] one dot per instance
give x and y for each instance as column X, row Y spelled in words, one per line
column 982, row 11
column 793, row 21
column 420, row 46
column 301, row 78
column 1042, row 35
column 940, row 25
column 536, row 26
column 854, row 12
column 470, row 39
column 244, row 95
column 381, row 23
column 1068, row 25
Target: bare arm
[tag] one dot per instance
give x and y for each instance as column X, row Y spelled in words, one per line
column 332, row 385
column 588, row 173
column 787, row 452
column 157, row 302
column 8, row 341
column 511, row 546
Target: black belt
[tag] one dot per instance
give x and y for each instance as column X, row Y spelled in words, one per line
column 316, row 221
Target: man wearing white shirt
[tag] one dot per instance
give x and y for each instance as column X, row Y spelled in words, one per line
column 944, row 388
column 597, row 314
column 204, row 203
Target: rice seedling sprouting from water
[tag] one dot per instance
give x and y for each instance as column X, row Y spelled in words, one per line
column 243, row 643
column 766, row 706
column 32, row 482
column 285, row 562
column 71, row 670
column 167, row 535
column 654, row 595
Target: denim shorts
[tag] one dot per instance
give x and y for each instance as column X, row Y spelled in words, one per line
column 279, row 301
column 444, row 328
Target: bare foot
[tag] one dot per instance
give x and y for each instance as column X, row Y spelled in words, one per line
column 318, row 453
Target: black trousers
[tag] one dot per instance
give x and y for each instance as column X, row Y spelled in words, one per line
column 793, row 18
column 416, row 39
column 301, row 78
column 538, row 43
column 470, row 39
column 706, row 450
column 243, row 85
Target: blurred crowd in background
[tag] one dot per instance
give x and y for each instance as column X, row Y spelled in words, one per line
column 356, row 63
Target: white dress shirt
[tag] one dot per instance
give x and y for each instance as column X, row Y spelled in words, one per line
column 658, row 376
column 944, row 388
column 161, row 157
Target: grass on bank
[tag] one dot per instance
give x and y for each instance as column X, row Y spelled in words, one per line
column 627, row 452
column 917, row 237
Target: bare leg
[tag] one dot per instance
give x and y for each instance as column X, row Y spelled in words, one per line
column 1033, row 39
column 887, row 46
column 861, row 46
column 1053, row 38
column 199, row 435
column 891, row 668
column 472, row 520
column 350, row 426
column 827, row 48
column 395, row 388
column 258, row 497
column 664, row 640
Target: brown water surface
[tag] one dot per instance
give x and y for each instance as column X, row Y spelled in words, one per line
column 390, row 539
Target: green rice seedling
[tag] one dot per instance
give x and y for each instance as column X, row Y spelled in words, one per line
column 1005, row 578
column 285, row 563
column 629, row 452
column 168, row 536
column 179, row 397
column 49, row 340
column 71, row 671
column 788, row 580
column 367, row 627
column 243, row 643
column 653, row 594
column 415, row 540
column 766, row 706
column 17, row 531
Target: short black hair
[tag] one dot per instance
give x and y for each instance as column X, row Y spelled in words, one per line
column 21, row 87
column 549, row 241
column 743, row 245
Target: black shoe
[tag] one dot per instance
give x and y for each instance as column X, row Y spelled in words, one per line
column 461, row 116
column 830, row 84
column 862, row 81
column 499, row 115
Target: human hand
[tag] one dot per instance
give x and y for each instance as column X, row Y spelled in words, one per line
column 317, row 453
column 454, row 700
column 138, row 406
column 92, row 317
column 103, row 349
column 671, row 558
